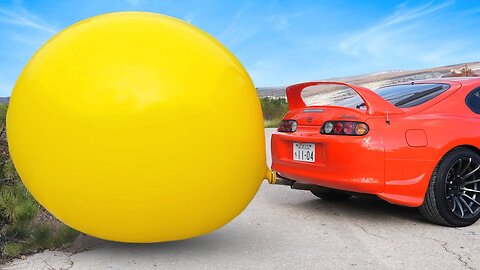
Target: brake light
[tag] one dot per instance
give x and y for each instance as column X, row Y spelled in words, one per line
column 287, row 126
column 337, row 128
column 348, row 128
column 344, row 128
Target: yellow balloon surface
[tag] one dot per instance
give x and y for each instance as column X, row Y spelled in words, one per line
column 137, row 127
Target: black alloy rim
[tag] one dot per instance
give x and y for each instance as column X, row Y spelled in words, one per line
column 463, row 187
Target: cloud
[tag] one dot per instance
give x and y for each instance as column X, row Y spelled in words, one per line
column 394, row 35
column 22, row 32
column 35, row 41
column 234, row 33
column 190, row 17
column 18, row 15
column 282, row 21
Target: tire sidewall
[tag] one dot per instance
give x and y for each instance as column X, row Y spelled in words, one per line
column 440, row 187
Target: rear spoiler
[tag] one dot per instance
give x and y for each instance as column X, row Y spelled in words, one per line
column 375, row 104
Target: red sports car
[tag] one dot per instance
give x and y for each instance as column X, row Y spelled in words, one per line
column 415, row 144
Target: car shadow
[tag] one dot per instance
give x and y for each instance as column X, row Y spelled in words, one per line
column 363, row 208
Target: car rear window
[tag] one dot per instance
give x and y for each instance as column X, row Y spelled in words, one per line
column 328, row 94
column 401, row 95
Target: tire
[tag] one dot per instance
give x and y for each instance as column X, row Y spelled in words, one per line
column 329, row 194
column 446, row 202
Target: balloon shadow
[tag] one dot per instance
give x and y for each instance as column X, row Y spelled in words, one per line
column 224, row 239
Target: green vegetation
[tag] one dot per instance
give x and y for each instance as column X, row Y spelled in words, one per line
column 25, row 227
column 273, row 110
column 273, row 123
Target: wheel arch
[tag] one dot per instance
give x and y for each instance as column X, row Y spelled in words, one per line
column 468, row 146
column 449, row 149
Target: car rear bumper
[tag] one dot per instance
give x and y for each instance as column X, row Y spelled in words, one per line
column 352, row 163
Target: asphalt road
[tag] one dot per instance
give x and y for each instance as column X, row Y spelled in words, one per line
column 291, row 229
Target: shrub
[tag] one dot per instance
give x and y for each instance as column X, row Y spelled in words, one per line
column 273, row 110
column 465, row 71
column 12, row 249
column 272, row 123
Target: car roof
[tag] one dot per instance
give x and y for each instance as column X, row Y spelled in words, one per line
column 462, row 80
column 455, row 82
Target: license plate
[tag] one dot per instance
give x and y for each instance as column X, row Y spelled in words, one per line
column 304, row 152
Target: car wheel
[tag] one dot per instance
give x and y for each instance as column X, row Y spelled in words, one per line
column 329, row 194
column 453, row 194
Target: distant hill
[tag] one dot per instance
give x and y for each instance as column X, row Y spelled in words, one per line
column 372, row 80
column 378, row 79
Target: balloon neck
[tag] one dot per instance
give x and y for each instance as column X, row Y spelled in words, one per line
column 275, row 179
column 271, row 176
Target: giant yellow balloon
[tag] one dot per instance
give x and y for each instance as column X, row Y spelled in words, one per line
column 137, row 127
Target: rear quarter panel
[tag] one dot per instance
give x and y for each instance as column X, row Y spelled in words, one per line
column 447, row 124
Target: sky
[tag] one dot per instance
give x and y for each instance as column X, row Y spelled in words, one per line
column 278, row 42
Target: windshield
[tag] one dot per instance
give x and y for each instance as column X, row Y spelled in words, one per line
column 402, row 95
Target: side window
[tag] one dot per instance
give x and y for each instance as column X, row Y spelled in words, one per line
column 473, row 100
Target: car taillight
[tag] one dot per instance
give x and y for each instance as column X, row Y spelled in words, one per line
column 328, row 127
column 344, row 128
column 361, row 129
column 337, row 128
column 348, row 128
column 287, row 126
